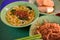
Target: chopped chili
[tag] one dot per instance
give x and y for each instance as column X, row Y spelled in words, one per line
column 23, row 15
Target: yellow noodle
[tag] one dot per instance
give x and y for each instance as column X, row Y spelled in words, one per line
column 13, row 19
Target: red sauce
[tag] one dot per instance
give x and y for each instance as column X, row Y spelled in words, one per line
column 22, row 14
column 58, row 14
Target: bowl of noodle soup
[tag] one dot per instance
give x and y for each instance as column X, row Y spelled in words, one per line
column 19, row 14
column 47, row 26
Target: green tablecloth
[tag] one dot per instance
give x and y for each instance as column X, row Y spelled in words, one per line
column 9, row 33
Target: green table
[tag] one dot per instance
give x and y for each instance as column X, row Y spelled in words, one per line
column 9, row 33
